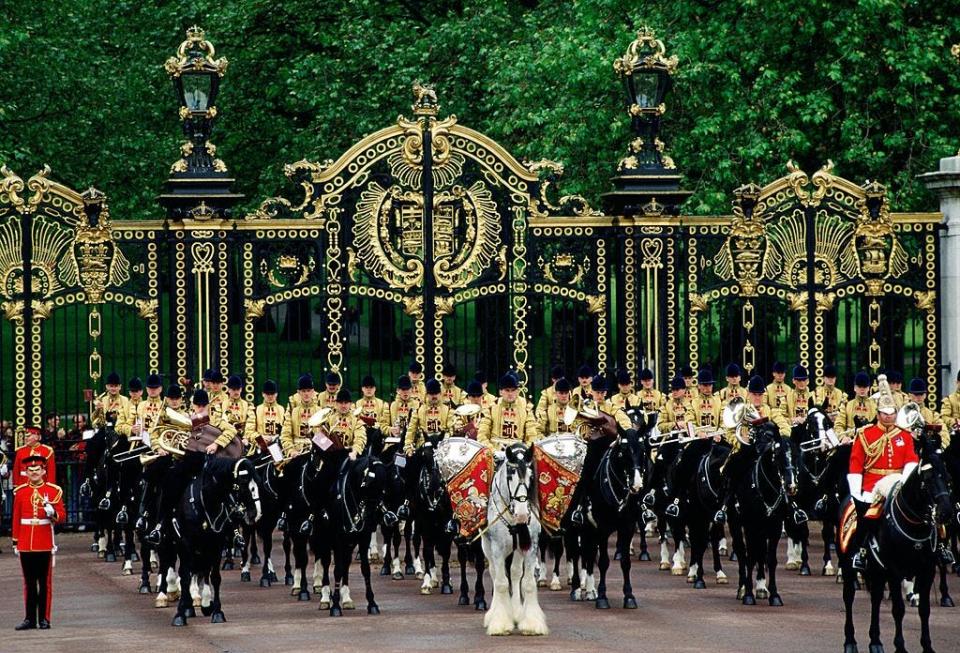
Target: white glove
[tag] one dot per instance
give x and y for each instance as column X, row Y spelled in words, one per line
column 49, row 509
column 855, row 481
column 909, row 467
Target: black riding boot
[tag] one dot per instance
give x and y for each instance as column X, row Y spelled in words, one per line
column 732, row 471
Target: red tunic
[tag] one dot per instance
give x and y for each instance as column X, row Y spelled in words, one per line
column 20, row 470
column 898, row 452
column 32, row 529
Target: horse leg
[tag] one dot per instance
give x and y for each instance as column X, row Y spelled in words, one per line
column 876, row 586
column 629, row 600
column 758, row 553
column 603, row 564
column 387, row 532
column 772, row 545
column 589, row 557
column 408, row 540
column 462, row 556
column 556, row 551
column 266, row 536
column 804, row 553
column 497, row 620
column 749, row 560
column 945, row 600
column 924, row 583
column 185, row 604
column 341, row 557
column 849, row 592
column 287, row 570
column 426, row 587
column 444, row 548
column 897, row 609
column 326, row 553
column 300, row 561
column 216, row 610
column 573, row 560
column 530, row 619
column 479, row 593
column 252, row 541
column 698, row 545
column 716, row 533
column 247, row 531
column 372, row 607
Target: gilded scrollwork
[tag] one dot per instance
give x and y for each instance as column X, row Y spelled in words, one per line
column 413, row 306
column 698, row 303
column 254, row 309
column 549, row 172
column 926, row 300
column 13, row 310
column 444, row 305
column 596, row 304
column 147, row 309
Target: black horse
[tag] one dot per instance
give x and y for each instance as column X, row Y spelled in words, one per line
column 222, row 488
column 271, row 503
column 704, row 493
column 762, row 497
column 118, row 475
column 904, row 546
column 614, row 501
column 431, row 516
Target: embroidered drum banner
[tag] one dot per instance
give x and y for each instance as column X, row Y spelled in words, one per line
column 467, row 469
column 558, row 460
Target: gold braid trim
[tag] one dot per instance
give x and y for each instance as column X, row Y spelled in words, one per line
column 874, row 451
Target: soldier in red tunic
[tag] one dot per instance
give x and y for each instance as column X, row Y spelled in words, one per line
column 32, row 447
column 37, row 506
column 881, row 454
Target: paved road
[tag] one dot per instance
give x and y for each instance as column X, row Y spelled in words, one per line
column 96, row 610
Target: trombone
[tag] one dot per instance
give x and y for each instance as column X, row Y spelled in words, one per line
column 734, row 414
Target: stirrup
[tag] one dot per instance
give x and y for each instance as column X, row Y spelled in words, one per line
column 154, row 536
column 720, row 517
column 576, row 517
column 859, row 561
column 85, row 489
column 306, row 528
column 452, row 527
column 650, row 498
column 800, row 516
column 238, row 541
column 820, row 507
column 122, row 516
column 945, row 555
column 141, row 524
column 282, row 522
column 403, row 512
column 104, row 503
column 673, row 510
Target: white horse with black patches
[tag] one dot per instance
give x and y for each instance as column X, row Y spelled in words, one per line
column 509, row 545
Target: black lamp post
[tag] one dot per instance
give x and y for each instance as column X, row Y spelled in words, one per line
column 199, row 185
column 646, row 182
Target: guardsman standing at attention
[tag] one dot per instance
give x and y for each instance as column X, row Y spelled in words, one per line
column 651, row 399
column 552, row 420
column 798, row 402
column 733, row 389
column 509, row 420
column 31, row 449
column 625, row 399
column 450, row 394
column 689, row 383
column 415, row 372
column 328, row 398
column 37, row 507
column 859, row 411
column 236, row 409
column 295, row 435
column 547, row 396
column 778, row 392
column 836, row 398
column 707, row 405
column 267, row 420
column 582, row 391
column 373, row 411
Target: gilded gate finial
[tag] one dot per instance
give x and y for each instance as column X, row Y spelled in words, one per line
column 424, row 100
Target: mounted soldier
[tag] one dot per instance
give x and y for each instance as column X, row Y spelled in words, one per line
column 403, row 409
column 328, row 398
column 373, row 411
column 733, row 388
column 267, row 420
column 554, row 419
column 467, row 419
column 157, row 465
column 450, row 394
column 689, row 383
column 778, row 392
column 835, row 397
column 798, row 401
column 859, row 411
column 135, row 393
column 582, row 391
column 625, row 398
column 509, row 420
column 547, row 396
column 295, row 435
column 415, row 372
column 651, row 399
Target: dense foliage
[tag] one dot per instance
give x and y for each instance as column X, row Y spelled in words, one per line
column 870, row 84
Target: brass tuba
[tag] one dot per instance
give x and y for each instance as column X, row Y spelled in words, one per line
column 173, row 438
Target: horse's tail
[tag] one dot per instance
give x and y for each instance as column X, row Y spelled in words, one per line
column 523, row 537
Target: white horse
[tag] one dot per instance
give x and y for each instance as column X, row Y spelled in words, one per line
column 512, row 534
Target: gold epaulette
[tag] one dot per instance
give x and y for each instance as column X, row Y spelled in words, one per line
column 17, row 487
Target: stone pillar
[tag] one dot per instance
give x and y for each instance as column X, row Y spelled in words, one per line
column 946, row 182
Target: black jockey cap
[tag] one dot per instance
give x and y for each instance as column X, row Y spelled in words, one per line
column 895, row 376
column 830, row 371
column 676, row 383
column 917, row 386
column 368, row 382
column 508, row 382
column 200, row 398
column 153, row 381
column 135, row 384
column 432, row 387
column 556, row 372
column 686, row 371
column 305, row 382
column 779, row 368
column 270, row 387
column 343, row 395
column 480, row 377
column 599, row 383
column 213, row 376
column 756, row 386
column 174, row 392
column 861, row 380
column 113, row 379
column 449, row 370
column 705, row 377
column 404, row 383
column 415, row 367
column 733, row 370
column 234, row 382
column 584, row 372
column 623, row 377
column 474, row 389
column 332, row 378
column 562, row 385
column 646, row 374
column 800, row 373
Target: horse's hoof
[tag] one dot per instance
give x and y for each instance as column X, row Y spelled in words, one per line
column 629, row 603
column 762, row 594
column 317, row 589
column 749, row 600
column 227, row 565
column 876, row 648
column 698, row 584
column 206, row 610
column 829, row 570
column 191, row 612
column 373, row 608
column 776, row 601
column 722, row 551
column 804, row 570
column 273, row 577
column 480, row 605
column 676, row 571
column 850, row 648
column 915, row 602
column 218, row 618
column 110, row 557
column 446, row 588
column 733, row 556
column 792, row 565
column 575, row 595
column 398, row 576
column 304, row 595
column 644, row 556
column 463, row 600
column 265, row 582
column 255, row 560
column 409, row 570
column 426, row 590
column 144, row 588
column 541, row 582
column 664, row 566
column 419, row 575
column 288, row 579
column 603, row 603
column 722, row 578
column 740, row 593
column 385, row 570
column 336, row 612
column 179, row 620
column 244, row 576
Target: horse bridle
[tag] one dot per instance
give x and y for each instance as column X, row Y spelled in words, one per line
column 759, row 473
column 607, row 464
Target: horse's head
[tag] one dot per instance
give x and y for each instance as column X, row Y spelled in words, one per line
column 518, row 462
column 816, row 428
column 933, row 477
column 430, row 487
column 246, row 490
column 767, row 440
column 629, row 457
